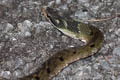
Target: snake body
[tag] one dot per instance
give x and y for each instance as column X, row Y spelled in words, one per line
column 92, row 36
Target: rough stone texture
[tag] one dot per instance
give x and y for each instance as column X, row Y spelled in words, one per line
column 27, row 40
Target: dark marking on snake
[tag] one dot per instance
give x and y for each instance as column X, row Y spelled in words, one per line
column 48, row 70
column 61, row 58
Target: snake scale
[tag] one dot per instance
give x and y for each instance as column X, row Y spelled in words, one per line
column 92, row 36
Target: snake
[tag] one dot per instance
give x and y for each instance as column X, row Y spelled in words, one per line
column 89, row 34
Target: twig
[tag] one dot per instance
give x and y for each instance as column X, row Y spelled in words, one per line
column 104, row 19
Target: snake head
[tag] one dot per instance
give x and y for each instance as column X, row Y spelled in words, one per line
column 54, row 17
column 68, row 26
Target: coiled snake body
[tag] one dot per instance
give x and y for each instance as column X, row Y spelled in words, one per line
column 92, row 36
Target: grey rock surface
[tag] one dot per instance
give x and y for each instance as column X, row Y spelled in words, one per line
column 27, row 40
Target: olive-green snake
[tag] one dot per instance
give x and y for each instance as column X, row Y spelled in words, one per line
column 92, row 36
